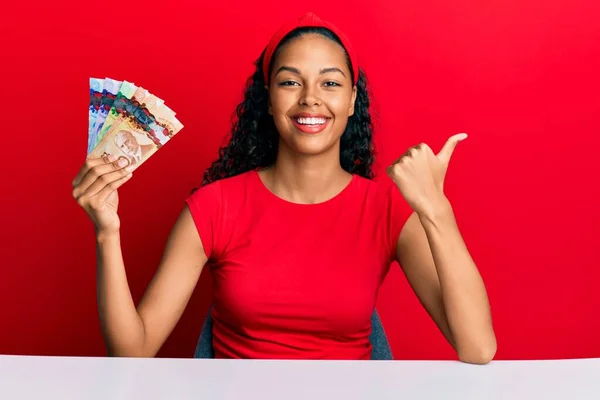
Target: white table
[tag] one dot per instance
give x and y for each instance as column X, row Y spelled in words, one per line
column 65, row 378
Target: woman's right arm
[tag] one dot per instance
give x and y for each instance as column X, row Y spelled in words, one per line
column 128, row 331
column 131, row 332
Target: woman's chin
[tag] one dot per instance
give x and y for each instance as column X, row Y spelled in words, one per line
column 314, row 145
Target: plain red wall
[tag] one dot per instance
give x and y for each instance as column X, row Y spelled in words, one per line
column 521, row 77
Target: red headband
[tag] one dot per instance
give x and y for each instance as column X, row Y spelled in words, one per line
column 308, row 20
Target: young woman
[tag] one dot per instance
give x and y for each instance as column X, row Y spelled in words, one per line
column 297, row 236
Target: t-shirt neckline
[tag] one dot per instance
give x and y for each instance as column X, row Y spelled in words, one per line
column 269, row 193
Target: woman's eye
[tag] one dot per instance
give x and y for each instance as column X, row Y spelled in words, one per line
column 288, row 83
column 331, row 84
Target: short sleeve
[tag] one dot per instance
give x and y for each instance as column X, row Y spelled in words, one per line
column 205, row 206
column 398, row 212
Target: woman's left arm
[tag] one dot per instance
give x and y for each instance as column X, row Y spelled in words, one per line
column 435, row 259
column 446, row 281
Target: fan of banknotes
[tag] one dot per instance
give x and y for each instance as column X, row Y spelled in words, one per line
column 127, row 121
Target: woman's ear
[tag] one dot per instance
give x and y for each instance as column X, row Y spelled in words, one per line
column 352, row 102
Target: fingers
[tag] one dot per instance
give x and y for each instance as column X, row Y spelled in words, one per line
column 413, row 151
column 95, row 201
column 98, row 178
column 448, row 148
column 88, row 165
column 102, row 188
column 98, row 171
column 105, row 180
column 444, row 154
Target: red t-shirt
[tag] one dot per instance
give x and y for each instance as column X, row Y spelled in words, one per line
column 296, row 280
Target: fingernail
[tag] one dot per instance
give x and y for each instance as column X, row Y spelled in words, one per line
column 123, row 162
column 112, row 158
column 129, row 168
column 462, row 136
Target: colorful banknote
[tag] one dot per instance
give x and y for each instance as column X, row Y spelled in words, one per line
column 118, row 110
column 96, row 86
column 137, row 125
column 109, row 94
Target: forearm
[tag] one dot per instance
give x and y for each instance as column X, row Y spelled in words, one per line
column 122, row 327
column 464, row 295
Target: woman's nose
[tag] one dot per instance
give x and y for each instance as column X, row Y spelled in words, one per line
column 310, row 96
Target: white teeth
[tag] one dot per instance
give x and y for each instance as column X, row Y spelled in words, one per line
column 311, row 121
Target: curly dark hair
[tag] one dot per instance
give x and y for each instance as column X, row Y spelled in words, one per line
column 254, row 139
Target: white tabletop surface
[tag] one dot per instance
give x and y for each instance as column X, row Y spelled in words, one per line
column 24, row 377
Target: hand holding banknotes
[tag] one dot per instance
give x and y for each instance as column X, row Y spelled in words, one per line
column 126, row 125
column 95, row 189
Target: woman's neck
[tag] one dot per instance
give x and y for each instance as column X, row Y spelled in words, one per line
column 306, row 179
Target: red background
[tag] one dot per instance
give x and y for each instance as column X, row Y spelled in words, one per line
column 521, row 77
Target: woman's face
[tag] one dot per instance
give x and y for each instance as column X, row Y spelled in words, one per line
column 311, row 94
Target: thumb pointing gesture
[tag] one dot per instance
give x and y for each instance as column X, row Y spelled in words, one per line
column 419, row 175
column 446, row 152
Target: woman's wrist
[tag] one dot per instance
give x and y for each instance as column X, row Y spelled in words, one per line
column 105, row 236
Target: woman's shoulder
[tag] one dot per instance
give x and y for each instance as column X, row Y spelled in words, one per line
column 379, row 188
column 383, row 196
column 226, row 186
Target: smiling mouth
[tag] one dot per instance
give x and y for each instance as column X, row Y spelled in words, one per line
column 310, row 125
column 310, row 121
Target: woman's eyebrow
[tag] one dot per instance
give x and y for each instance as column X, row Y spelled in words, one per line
column 289, row 69
column 330, row 70
column 321, row 72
